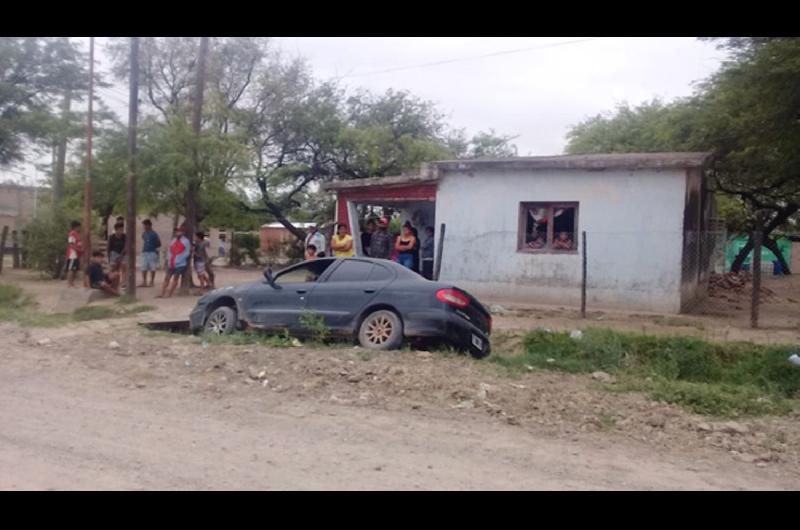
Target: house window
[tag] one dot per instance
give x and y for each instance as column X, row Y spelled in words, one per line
column 548, row 227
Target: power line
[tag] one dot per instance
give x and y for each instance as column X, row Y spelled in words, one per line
column 475, row 57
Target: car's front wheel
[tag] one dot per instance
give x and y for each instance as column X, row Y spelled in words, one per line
column 381, row 330
column 221, row 321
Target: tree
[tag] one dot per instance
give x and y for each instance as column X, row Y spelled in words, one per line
column 748, row 114
column 34, row 72
column 481, row 145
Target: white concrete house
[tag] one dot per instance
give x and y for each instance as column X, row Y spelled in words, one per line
column 514, row 226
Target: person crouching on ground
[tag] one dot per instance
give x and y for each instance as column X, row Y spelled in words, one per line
column 151, row 243
column 98, row 279
column 177, row 261
column 342, row 243
column 200, row 259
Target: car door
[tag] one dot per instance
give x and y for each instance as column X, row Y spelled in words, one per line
column 280, row 307
column 346, row 291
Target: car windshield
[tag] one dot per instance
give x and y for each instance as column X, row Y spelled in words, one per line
column 305, row 273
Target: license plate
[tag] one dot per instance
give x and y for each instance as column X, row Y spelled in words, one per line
column 477, row 342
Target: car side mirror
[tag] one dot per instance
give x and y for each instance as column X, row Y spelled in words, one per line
column 270, row 278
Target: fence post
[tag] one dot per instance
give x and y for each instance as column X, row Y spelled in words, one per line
column 583, row 276
column 757, row 235
column 3, row 247
column 15, row 249
column 439, row 254
column 23, row 251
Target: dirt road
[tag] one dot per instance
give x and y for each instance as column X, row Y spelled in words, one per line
column 167, row 413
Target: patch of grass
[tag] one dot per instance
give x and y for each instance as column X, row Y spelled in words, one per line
column 725, row 379
column 679, row 322
column 315, row 324
column 17, row 306
column 12, row 297
column 608, row 421
column 100, row 312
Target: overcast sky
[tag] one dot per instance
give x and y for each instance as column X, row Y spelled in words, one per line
column 536, row 93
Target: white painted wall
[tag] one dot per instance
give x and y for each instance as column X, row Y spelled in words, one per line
column 634, row 224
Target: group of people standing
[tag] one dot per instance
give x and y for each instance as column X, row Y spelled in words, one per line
column 181, row 253
column 405, row 248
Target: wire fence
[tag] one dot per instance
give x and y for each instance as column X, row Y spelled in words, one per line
column 643, row 270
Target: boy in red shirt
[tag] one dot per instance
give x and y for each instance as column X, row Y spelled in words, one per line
column 74, row 251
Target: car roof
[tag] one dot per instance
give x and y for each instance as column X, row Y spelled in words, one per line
column 402, row 272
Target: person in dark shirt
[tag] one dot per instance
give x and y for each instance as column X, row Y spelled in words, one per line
column 381, row 243
column 427, row 253
column 366, row 237
column 116, row 248
column 151, row 244
column 98, row 279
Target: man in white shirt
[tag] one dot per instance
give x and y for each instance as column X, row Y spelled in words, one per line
column 315, row 238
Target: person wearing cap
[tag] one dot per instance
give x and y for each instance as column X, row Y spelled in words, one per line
column 315, row 238
column 381, row 245
column 178, row 259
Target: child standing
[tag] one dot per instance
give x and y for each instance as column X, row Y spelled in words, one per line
column 151, row 243
column 200, row 259
column 74, row 251
column 177, row 260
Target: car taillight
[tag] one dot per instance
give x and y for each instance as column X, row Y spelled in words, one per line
column 489, row 320
column 452, row 297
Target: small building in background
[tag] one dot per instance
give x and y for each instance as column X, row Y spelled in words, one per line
column 275, row 237
column 514, row 227
column 18, row 204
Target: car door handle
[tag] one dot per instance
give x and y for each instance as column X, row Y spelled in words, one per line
column 301, row 291
column 369, row 291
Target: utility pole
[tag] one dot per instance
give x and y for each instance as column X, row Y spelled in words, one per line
column 87, row 186
column 194, row 181
column 133, row 112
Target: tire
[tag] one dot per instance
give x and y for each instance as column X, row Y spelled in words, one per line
column 221, row 321
column 381, row 330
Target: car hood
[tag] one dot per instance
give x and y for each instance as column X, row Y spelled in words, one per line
column 232, row 290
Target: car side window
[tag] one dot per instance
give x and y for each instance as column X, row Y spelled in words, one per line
column 351, row 271
column 379, row 273
column 308, row 273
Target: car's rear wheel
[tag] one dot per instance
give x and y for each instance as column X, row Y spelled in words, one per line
column 381, row 330
column 221, row 321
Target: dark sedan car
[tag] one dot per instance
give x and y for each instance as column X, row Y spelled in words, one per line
column 378, row 302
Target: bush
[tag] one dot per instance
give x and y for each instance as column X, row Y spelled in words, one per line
column 244, row 245
column 314, row 323
column 12, row 298
column 47, row 242
column 710, row 378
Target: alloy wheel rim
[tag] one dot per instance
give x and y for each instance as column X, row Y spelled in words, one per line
column 379, row 330
column 217, row 323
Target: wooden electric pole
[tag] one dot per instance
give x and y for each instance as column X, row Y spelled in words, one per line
column 87, row 186
column 194, row 180
column 133, row 113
